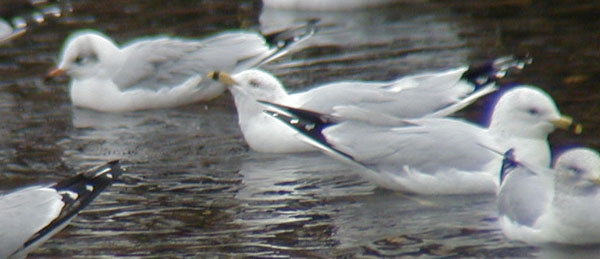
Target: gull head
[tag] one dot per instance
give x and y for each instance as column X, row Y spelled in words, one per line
column 253, row 83
column 528, row 111
column 578, row 169
column 88, row 54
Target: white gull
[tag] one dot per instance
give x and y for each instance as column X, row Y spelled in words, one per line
column 161, row 72
column 432, row 94
column 561, row 205
column 435, row 155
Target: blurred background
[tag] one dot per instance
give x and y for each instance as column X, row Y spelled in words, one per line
column 195, row 189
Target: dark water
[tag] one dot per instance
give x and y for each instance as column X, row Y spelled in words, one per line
column 194, row 188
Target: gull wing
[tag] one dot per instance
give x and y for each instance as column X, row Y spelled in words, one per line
column 427, row 94
column 167, row 62
column 428, row 145
column 30, row 216
column 156, row 63
column 525, row 191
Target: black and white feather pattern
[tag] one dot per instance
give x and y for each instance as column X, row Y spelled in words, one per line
column 508, row 164
column 31, row 215
column 491, row 71
column 310, row 125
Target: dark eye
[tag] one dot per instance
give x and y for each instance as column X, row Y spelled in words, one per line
column 575, row 170
column 254, row 83
column 533, row 111
column 80, row 60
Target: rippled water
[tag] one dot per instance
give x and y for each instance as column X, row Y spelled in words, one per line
column 194, row 188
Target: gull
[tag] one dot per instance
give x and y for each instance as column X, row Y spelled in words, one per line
column 541, row 205
column 7, row 32
column 324, row 5
column 436, row 155
column 30, row 216
column 427, row 94
column 161, row 72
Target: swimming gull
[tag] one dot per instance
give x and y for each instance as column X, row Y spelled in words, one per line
column 436, row 155
column 432, row 94
column 541, row 205
column 162, row 72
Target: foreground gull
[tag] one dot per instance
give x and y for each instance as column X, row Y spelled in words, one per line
column 540, row 205
column 161, row 72
column 427, row 94
column 436, row 155
column 31, row 215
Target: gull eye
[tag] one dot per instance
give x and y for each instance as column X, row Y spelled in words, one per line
column 78, row 60
column 253, row 83
column 533, row 111
column 82, row 59
column 574, row 170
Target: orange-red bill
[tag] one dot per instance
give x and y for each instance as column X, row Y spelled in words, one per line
column 56, row 72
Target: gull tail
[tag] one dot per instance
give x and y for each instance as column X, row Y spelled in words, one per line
column 492, row 71
column 282, row 41
column 77, row 192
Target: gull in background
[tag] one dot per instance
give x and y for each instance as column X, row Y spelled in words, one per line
column 162, row 72
column 422, row 95
column 30, row 216
column 7, row 32
column 324, row 5
column 541, row 205
column 436, row 155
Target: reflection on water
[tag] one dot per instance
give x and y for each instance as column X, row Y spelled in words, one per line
column 296, row 176
column 569, row 252
column 194, row 188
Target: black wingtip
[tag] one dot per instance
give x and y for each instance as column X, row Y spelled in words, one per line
column 308, row 123
column 284, row 38
column 303, row 114
column 115, row 168
column 492, row 71
column 79, row 191
column 508, row 163
column 106, row 174
column 114, row 162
